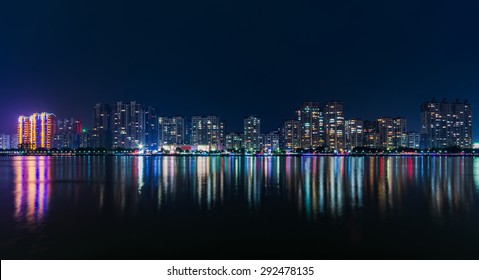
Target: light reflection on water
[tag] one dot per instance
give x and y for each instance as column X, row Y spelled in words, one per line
column 32, row 190
column 318, row 187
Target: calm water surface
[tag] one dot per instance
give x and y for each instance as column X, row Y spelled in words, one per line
column 239, row 207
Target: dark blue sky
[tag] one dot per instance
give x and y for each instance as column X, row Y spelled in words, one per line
column 237, row 58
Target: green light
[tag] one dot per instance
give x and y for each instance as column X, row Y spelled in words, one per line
column 83, row 130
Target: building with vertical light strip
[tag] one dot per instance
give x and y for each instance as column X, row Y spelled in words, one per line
column 23, row 132
column 36, row 131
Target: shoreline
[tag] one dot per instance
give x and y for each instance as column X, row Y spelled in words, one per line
column 230, row 155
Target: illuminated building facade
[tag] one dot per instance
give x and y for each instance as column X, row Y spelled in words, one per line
column 392, row 132
column 354, row 133
column 23, row 132
column 86, row 139
column 446, row 124
column 271, row 141
column 252, row 133
column 172, row 131
column 234, row 141
column 128, row 125
column 400, row 132
column 36, row 131
column 101, row 134
column 335, row 126
column 461, row 135
column 207, row 131
column 290, row 135
column 371, row 137
column 312, row 125
column 413, row 140
column 151, row 128
column 5, row 141
column 67, row 133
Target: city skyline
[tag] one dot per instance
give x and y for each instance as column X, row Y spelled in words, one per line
column 235, row 124
column 237, row 59
column 133, row 125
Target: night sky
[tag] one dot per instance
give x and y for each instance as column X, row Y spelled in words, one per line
column 236, row 58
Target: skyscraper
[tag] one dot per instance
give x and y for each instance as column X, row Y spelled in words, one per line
column 101, row 133
column 5, row 141
column 392, row 132
column 312, row 125
column 462, row 124
column 234, row 141
column 446, row 124
column 151, row 128
column 371, row 137
column 128, row 125
column 290, row 135
column 36, row 131
column 400, row 133
column 354, row 133
column 335, row 130
column 67, row 133
column 413, row 140
column 172, row 131
column 252, row 132
column 207, row 132
column 24, row 132
column 271, row 141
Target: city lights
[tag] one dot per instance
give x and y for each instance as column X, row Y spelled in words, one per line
column 446, row 128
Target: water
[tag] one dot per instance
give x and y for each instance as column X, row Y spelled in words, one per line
column 239, row 207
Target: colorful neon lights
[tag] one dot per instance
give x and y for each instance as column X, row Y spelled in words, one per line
column 36, row 131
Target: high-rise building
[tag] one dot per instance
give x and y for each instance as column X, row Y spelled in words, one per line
column 36, row 131
column 67, row 133
column 101, row 135
column 5, row 142
column 290, row 135
column 271, row 141
column 371, row 137
column 23, row 132
column 413, row 140
column 445, row 124
column 129, row 125
column 462, row 124
column 207, row 132
column 13, row 141
column 172, row 131
column 312, row 125
column 400, row 133
column 234, row 141
column 354, row 133
column 151, row 128
column 334, row 122
column 252, row 132
column 392, row 132
column 86, row 140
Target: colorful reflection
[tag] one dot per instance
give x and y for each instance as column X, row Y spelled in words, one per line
column 32, row 189
column 476, row 174
column 317, row 187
